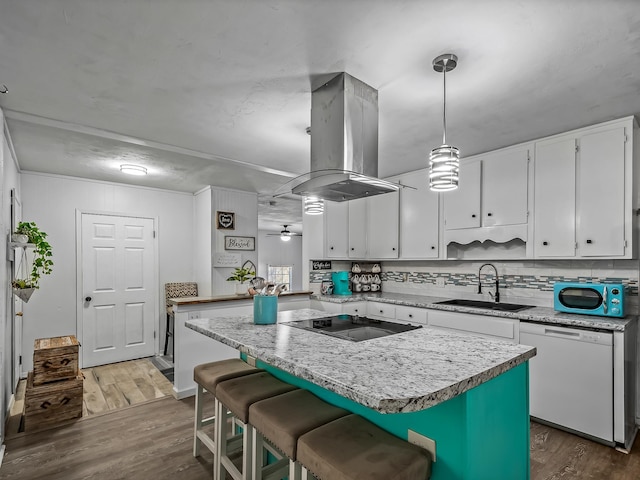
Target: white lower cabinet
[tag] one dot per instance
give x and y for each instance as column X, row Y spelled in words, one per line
column 411, row 314
column 484, row 325
column 355, row 308
column 381, row 310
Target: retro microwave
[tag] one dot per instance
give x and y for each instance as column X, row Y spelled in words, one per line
column 604, row 299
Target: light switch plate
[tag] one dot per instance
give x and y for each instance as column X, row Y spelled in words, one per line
column 425, row 442
column 440, row 282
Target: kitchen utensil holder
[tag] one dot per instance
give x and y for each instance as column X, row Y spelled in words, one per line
column 265, row 309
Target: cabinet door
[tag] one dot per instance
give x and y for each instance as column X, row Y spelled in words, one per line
column 505, row 187
column 462, row 205
column 600, row 219
column 494, row 327
column 358, row 228
column 336, row 217
column 419, row 220
column 382, row 226
column 554, row 198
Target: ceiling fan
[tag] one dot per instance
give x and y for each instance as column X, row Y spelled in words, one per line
column 285, row 235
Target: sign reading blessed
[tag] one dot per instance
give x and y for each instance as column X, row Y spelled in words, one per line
column 239, row 243
column 321, row 265
column 225, row 220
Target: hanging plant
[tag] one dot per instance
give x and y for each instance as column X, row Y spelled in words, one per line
column 42, row 263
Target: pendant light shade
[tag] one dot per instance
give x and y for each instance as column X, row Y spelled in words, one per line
column 444, row 161
column 313, row 206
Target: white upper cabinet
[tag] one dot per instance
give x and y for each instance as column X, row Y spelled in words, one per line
column 505, row 187
column 358, row 228
column 583, row 194
column 492, row 192
column 554, row 198
column 419, row 217
column 462, row 205
column 336, row 218
column 382, row 226
column 600, row 195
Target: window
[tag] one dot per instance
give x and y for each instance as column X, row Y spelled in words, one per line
column 280, row 274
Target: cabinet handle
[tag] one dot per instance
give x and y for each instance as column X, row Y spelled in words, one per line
column 355, row 310
column 380, row 311
column 330, row 248
column 352, row 249
column 489, row 214
column 432, row 247
column 473, row 215
column 589, row 241
column 545, row 243
column 410, row 315
column 394, row 249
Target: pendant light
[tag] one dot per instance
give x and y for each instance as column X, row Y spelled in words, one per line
column 313, row 206
column 444, row 161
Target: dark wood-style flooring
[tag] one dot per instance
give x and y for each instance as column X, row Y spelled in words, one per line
column 154, row 441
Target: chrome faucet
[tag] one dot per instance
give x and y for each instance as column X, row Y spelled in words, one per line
column 496, row 295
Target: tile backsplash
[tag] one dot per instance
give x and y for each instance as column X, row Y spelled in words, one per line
column 527, row 281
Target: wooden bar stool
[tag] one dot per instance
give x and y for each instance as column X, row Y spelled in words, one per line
column 207, row 376
column 282, row 420
column 352, row 448
column 237, row 395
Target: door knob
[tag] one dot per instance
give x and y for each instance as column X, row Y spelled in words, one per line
column 87, row 299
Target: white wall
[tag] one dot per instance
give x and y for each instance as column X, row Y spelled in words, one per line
column 9, row 179
column 202, row 238
column 274, row 251
column 245, row 207
column 51, row 201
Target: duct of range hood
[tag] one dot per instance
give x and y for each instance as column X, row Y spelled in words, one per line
column 344, row 143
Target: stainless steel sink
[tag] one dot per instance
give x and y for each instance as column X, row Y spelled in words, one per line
column 505, row 307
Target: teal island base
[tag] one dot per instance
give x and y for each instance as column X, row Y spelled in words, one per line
column 480, row 434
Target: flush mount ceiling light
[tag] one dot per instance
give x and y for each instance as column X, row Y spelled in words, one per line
column 313, row 206
column 444, row 161
column 133, row 169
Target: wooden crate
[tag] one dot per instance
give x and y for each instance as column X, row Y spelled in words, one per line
column 55, row 359
column 52, row 403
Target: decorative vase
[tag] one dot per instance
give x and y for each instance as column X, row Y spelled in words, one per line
column 242, row 288
column 19, row 238
column 23, row 294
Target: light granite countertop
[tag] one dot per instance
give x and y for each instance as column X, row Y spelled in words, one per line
column 533, row 314
column 405, row 372
column 226, row 298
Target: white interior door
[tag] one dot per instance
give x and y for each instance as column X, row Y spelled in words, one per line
column 119, row 298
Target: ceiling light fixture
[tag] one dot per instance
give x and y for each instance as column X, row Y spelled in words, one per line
column 133, row 169
column 313, row 206
column 444, row 161
column 285, row 235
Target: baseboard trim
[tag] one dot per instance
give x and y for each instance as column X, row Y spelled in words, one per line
column 187, row 392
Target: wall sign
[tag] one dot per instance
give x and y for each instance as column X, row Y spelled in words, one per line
column 227, row 259
column 225, row 220
column 321, row 265
column 239, row 243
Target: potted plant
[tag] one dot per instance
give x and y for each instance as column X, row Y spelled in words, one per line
column 241, row 275
column 41, row 265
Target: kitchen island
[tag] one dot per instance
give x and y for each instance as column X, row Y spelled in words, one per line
column 468, row 394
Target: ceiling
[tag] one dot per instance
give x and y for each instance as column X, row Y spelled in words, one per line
column 219, row 92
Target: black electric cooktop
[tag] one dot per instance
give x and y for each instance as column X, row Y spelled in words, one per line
column 351, row 327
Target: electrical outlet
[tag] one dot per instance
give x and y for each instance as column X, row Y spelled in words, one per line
column 194, row 315
column 405, row 277
column 440, row 282
column 424, row 442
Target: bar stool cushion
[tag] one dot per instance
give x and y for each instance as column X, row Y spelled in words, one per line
column 239, row 393
column 283, row 419
column 210, row 374
column 353, row 448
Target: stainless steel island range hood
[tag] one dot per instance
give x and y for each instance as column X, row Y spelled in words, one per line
column 344, row 143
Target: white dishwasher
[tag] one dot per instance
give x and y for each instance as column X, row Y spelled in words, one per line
column 571, row 378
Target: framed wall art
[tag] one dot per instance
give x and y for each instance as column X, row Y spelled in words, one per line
column 239, row 243
column 225, row 220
